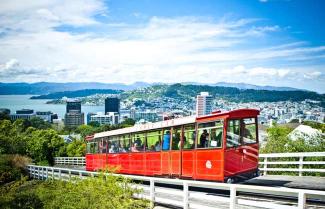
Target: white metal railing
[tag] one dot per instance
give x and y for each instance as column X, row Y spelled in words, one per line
column 297, row 159
column 187, row 198
column 78, row 161
column 265, row 161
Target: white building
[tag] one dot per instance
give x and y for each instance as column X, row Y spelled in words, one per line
column 110, row 118
column 203, row 104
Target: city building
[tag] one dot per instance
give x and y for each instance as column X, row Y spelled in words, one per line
column 23, row 114
column 46, row 116
column 148, row 115
column 89, row 116
column 112, row 104
column 73, row 105
column 109, row 118
column 73, row 117
column 5, row 111
column 203, row 104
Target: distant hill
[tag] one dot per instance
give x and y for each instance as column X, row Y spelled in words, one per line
column 185, row 92
column 78, row 93
column 47, row 88
column 246, row 86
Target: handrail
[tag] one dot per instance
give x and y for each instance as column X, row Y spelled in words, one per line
column 264, row 162
column 277, row 159
column 185, row 195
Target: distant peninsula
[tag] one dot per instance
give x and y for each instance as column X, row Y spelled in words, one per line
column 78, row 93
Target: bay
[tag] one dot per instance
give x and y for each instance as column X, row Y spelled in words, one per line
column 17, row 102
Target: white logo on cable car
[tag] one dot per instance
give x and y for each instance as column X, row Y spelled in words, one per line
column 208, row 164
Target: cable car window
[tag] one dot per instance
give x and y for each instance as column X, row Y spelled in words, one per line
column 210, row 134
column 124, row 143
column 103, row 145
column 92, row 148
column 138, row 140
column 189, row 137
column 176, row 139
column 249, row 131
column 113, row 145
column 153, row 141
column 233, row 133
column 166, row 139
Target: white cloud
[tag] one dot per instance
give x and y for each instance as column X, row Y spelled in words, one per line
column 159, row 50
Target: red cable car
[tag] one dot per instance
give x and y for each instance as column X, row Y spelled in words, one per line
column 222, row 146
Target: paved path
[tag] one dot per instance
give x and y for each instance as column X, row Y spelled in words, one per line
column 299, row 182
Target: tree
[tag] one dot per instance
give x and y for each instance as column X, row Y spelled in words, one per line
column 277, row 140
column 77, row 148
column 44, row 145
column 94, row 124
column 39, row 123
column 85, row 130
column 128, row 121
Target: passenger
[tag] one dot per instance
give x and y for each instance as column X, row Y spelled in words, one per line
column 122, row 148
column 166, row 141
column 138, row 141
column 152, row 148
column 112, row 149
column 176, row 140
column 158, row 146
column 134, row 148
column 204, row 138
column 246, row 132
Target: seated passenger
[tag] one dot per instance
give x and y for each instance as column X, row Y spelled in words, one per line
column 176, row 140
column 204, row 138
column 166, row 141
column 158, row 146
column 112, row 149
column 122, row 148
column 134, row 148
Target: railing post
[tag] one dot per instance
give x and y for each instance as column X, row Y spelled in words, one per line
column 47, row 173
column 301, row 160
column 69, row 175
column 80, row 175
column 59, row 174
column 152, row 192
column 185, row 195
column 301, row 200
column 233, row 197
column 53, row 177
column 265, row 166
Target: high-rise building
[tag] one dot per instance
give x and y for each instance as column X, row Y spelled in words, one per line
column 73, row 117
column 203, row 104
column 73, row 106
column 112, row 104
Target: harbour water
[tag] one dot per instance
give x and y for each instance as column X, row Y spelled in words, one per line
column 17, row 102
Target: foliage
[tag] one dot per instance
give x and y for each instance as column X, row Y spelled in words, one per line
column 77, row 148
column 20, row 194
column 39, row 123
column 277, row 140
column 128, row 121
column 316, row 125
column 4, row 116
column 94, row 123
column 12, row 167
column 105, row 191
column 44, row 145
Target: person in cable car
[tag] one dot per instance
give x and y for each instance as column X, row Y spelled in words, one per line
column 134, row 148
column 166, row 141
column 112, row 149
column 204, row 138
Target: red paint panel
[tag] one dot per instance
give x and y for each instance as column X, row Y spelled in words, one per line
column 250, row 157
column 233, row 161
column 188, row 161
column 124, row 162
column 175, row 159
column 165, row 163
column 209, row 164
column 137, row 163
column 153, row 163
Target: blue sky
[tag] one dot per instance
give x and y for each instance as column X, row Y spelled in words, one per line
column 262, row 42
